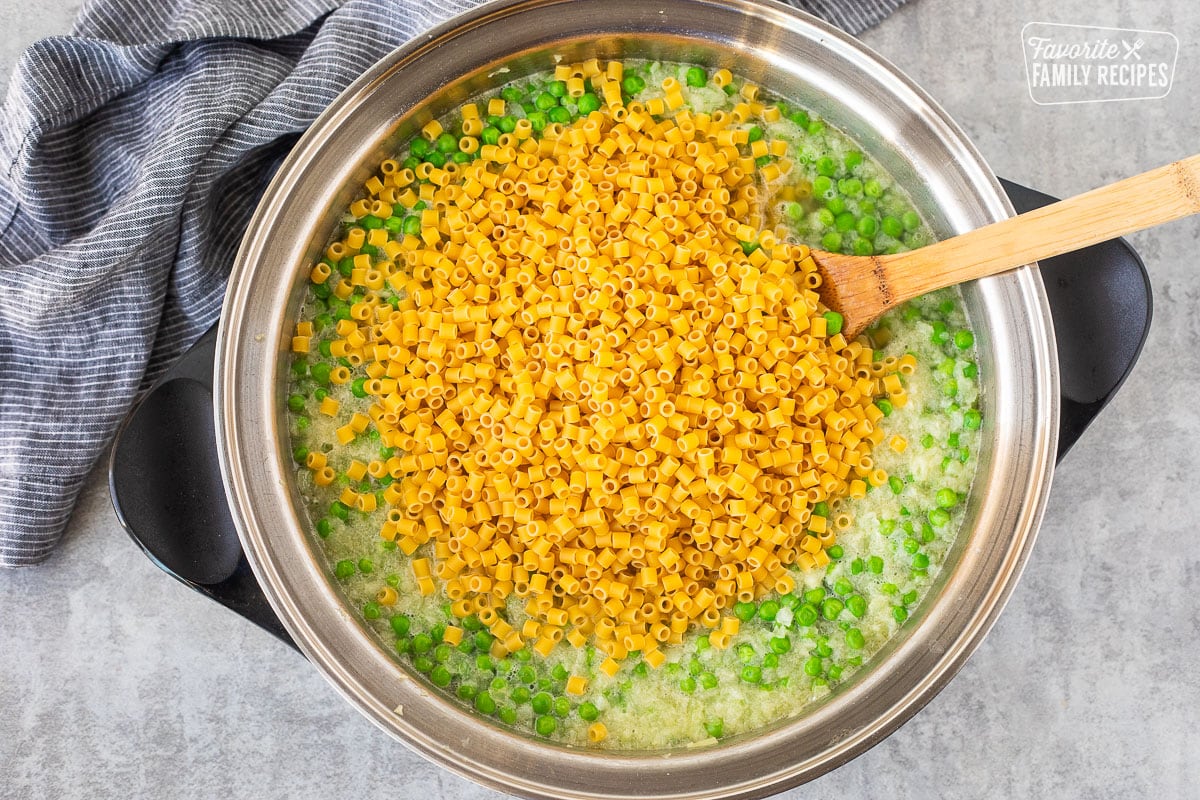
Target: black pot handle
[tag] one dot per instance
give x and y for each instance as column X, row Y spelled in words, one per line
column 1100, row 301
column 166, row 487
column 166, row 484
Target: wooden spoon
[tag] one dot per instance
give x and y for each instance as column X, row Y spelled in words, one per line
column 861, row 288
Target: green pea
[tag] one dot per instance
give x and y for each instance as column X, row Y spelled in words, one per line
column 826, row 166
column 370, row 610
column 466, row 692
column 857, row 605
column 340, row 510
column 485, row 703
column 423, row 664
column 707, row 680
column 885, row 406
column 559, row 114
column 422, row 643
column 320, row 372
column 562, row 706
column 545, row 725
column 836, row 204
column 440, row 676
column 896, row 484
column 812, row 667
column 489, row 135
column 768, row 610
column 687, row 685
column 892, row 227
column 520, row 695
column 835, row 552
column 696, row 77
column 844, row 221
column 825, row 218
column 910, row 220
column 344, row 569
column 867, row 226
column 899, row 613
column 855, row 639
column 780, row 645
column 542, row 703
column 843, row 586
column 822, row 185
column 875, row 564
column 632, row 84
column 744, row 611
column 832, row 242
column 366, row 566
column 745, row 653
column 831, row 608
column 588, row 712
column 807, row 615
column 851, row 187
column 857, row 566
column 715, row 728
column 754, row 134
column 588, row 103
column 938, row 517
column 751, row 674
column 972, row 419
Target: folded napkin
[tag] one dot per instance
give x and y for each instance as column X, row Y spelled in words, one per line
column 134, row 151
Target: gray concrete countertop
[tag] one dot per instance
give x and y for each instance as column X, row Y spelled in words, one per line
column 115, row 681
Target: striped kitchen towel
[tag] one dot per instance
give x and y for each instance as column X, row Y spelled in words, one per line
column 134, row 151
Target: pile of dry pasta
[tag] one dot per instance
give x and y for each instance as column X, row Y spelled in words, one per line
column 616, row 398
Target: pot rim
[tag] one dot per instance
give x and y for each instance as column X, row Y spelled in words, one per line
column 901, row 679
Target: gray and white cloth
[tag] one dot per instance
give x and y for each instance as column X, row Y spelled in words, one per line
column 134, row 151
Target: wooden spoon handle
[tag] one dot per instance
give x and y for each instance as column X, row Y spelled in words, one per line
column 1151, row 198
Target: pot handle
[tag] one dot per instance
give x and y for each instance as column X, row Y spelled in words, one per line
column 1100, row 301
column 166, row 485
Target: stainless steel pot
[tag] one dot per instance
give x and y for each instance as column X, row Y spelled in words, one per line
column 795, row 56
